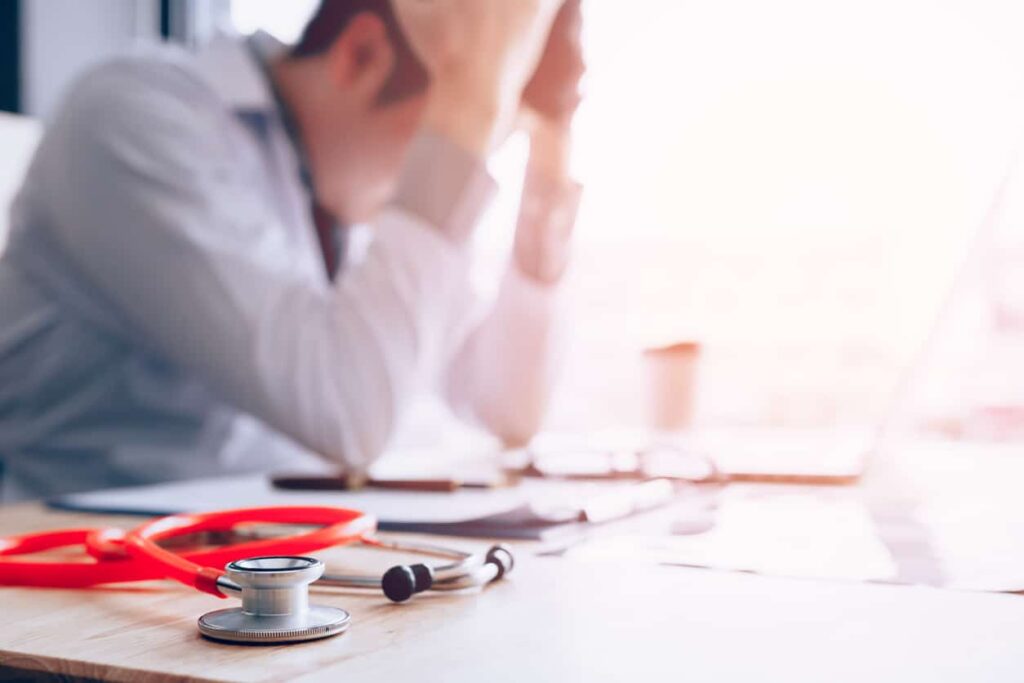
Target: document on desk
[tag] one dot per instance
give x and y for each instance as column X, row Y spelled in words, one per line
column 978, row 543
column 202, row 495
column 532, row 510
column 799, row 532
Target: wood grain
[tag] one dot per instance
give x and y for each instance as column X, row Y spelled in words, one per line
column 551, row 621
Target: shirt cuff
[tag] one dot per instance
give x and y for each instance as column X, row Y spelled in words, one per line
column 547, row 214
column 445, row 186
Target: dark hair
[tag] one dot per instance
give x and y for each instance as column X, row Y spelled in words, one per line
column 408, row 77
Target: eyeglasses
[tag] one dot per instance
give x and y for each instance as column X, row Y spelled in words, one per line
column 660, row 461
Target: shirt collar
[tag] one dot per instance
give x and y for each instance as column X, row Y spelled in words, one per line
column 233, row 69
column 263, row 48
column 239, row 71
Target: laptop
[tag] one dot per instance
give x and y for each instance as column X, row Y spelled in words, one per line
column 842, row 456
column 792, row 456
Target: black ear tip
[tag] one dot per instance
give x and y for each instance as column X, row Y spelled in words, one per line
column 501, row 557
column 424, row 577
column 399, row 583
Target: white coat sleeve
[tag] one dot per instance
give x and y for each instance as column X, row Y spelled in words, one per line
column 150, row 205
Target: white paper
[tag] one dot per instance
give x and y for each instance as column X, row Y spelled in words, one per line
column 786, row 532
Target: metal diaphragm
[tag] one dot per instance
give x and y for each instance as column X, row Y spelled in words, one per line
column 275, row 603
column 235, row 626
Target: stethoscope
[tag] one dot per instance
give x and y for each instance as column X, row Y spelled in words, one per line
column 271, row 575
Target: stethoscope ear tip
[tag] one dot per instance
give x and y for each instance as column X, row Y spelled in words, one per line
column 403, row 581
column 500, row 556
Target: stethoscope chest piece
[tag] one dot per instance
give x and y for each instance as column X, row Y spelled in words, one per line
column 275, row 603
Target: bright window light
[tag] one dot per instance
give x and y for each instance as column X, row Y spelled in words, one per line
column 794, row 183
column 283, row 20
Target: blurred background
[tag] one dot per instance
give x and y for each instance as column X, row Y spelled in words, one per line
column 795, row 185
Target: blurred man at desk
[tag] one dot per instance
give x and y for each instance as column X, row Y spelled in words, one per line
column 177, row 299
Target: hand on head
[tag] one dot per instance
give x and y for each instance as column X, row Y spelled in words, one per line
column 368, row 74
column 554, row 90
column 479, row 55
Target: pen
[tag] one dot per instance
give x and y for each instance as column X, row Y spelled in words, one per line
column 347, row 483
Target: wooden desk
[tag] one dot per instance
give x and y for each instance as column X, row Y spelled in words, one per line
column 553, row 620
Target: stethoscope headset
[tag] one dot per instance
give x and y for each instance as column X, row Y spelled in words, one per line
column 271, row 575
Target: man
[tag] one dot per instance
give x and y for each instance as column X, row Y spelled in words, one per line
column 177, row 299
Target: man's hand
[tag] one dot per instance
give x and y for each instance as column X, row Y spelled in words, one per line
column 479, row 54
column 553, row 94
column 550, row 197
column 554, row 91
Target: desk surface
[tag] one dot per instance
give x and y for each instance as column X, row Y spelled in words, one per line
column 553, row 620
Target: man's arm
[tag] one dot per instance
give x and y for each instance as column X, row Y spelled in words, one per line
column 149, row 205
column 503, row 375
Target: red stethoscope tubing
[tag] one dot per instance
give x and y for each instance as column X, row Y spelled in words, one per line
column 117, row 557
column 342, row 527
column 15, row 571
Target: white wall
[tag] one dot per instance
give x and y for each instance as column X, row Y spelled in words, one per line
column 62, row 37
column 18, row 138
